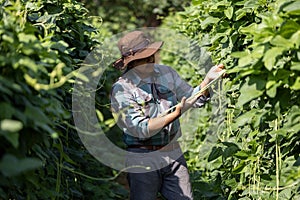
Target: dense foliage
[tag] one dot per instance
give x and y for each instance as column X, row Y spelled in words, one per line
column 42, row 43
column 249, row 141
column 124, row 15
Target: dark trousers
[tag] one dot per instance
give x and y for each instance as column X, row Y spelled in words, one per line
column 171, row 181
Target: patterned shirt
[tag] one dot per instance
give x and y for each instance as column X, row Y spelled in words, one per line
column 135, row 100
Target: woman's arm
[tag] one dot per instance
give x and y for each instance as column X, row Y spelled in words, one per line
column 157, row 123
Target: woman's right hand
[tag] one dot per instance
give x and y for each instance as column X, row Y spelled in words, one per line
column 182, row 106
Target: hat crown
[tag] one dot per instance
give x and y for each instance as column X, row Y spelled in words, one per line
column 132, row 42
column 134, row 46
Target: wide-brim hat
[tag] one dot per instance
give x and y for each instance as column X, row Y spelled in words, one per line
column 134, row 46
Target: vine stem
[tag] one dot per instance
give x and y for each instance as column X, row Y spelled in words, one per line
column 59, row 169
column 103, row 179
column 277, row 160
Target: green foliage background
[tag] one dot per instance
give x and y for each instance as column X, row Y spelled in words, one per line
column 249, row 148
column 43, row 43
column 245, row 145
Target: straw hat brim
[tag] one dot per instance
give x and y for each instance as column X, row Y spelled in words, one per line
column 148, row 51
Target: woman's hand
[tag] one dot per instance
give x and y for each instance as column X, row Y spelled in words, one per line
column 214, row 73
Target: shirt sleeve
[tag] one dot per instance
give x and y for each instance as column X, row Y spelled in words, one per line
column 183, row 89
column 129, row 115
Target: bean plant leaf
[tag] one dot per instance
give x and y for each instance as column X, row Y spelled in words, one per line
column 270, row 57
column 6, row 110
column 248, row 92
column 230, row 151
column 209, row 20
column 296, row 85
column 239, row 168
column 12, row 166
column 215, row 153
column 297, row 163
column 293, row 8
column 280, row 41
column 242, row 154
column 289, row 28
column 295, row 39
column 245, row 118
column 36, row 115
column 229, row 12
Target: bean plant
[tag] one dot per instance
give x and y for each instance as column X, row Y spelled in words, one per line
column 42, row 44
column 245, row 145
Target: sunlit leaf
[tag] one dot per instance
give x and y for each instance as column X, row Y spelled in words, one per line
column 293, row 8
column 245, row 118
column 209, row 20
column 249, row 91
column 280, row 41
column 296, row 85
column 229, row 12
column 295, row 39
column 271, row 55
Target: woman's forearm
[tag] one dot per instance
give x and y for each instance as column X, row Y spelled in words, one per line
column 158, row 123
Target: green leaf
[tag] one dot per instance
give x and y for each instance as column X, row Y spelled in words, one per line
column 8, row 38
column 296, row 85
column 271, row 88
column 231, row 183
column 280, row 41
column 297, row 163
column 12, row 166
column 196, row 2
column 293, row 8
column 271, row 92
column 7, row 110
column 37, row 115
column 239, row 14
column 286, row 194
column 239, row 54
column 245, row 118
column 13, row 138
column 239, row 168
column 230, row 151
column 209, row 20
column 271, row 55
column 250, row 91
column 215, row 153
column 248, row 29
column 242, row 154
column 289, row 28
column 295, row 39
column 60, row 45
column 229, row 12
column 9, row 129
column 26, row 38
column 27, row 62
column 246, row 60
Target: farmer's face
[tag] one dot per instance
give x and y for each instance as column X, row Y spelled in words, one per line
column 145, row 69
